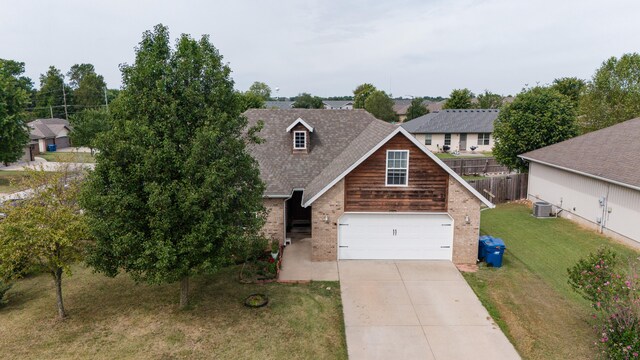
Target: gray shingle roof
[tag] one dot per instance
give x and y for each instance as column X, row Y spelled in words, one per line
column 453, row 121
column 611, row 153
column 46, row 128
column 338, row 140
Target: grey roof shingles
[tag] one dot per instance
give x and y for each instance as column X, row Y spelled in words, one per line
column 339, row 139
column 611, row 153
column 453, row 121
column 46, row 128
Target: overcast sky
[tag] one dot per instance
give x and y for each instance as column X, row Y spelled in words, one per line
column 328, row 47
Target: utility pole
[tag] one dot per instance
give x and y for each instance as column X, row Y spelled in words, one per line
column 64, row 97
column 106, row 100
column 51, row 111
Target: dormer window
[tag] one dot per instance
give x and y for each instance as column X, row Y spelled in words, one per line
column 300, row 136
column 299, row 140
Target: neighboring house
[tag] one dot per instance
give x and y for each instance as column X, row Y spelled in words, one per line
column 593, row 179
column 458, row 129
column 31, row 149
column 338, row 104
column 328, row 104
column 362, row 188
column 400, row 107
column 50, row 131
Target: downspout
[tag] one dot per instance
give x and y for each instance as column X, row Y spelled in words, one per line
column 605, row 203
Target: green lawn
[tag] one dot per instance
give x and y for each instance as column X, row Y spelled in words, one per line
column 76, row 157
column 473, row 177
column 117, row 319
column 10, row 181
column 529, row 296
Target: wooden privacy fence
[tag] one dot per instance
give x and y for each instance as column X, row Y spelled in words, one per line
column 466, row 166
column 501, row 189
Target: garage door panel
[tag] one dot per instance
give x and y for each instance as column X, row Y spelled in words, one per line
column 395, row 236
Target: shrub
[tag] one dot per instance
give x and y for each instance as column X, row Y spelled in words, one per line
column 595, row 277
column 615, row 297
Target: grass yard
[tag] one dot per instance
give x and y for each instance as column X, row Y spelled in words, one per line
column 75, row 157
column 117, row 319
column 529, row 296
column 10, row 181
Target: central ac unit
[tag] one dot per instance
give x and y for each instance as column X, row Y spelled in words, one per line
column 542, row 209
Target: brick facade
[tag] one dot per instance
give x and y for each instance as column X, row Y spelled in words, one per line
column 324, row 243
column 274, row 226
column 462, row 203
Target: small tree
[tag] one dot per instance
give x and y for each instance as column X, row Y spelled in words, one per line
column 174, row 192
column 537, row 117
column 88, row 124
column 361, row 93
column 261, row 90
column 308, row 101
column 46, row 230
column 613, row 94
column 489, row 100
column 416, row 109
column 15, row 90
column 380, row 105
column 459, row 99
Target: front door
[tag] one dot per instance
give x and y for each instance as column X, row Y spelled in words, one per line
column 463, row 142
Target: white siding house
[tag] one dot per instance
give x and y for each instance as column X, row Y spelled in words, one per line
column 592, row 180
column 458, row 129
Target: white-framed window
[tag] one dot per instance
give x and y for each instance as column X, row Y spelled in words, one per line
column 299, row 140
column 427, row 139
column 397, row 168
column 447, row 139
column 483, row 138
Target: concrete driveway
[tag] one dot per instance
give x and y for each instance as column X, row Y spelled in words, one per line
column 416, row 310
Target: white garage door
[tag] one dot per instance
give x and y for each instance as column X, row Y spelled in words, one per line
column 395, row 236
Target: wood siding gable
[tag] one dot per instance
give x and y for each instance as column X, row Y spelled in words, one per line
column 426, row 191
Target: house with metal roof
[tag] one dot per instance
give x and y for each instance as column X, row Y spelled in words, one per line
column 458, row 129
column 360, row 188
column 50, row 132
column 593, row 179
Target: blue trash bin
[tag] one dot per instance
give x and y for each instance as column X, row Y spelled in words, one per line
column 482, row 246
column 494, row 251
column 51, row 147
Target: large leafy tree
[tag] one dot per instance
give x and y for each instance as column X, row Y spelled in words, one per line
column 489, row 100
column 416, row 109
column 613, row 94
column 87, row 125
column 308, row 101
column 46, row 230
column 570, row 86
column 380, row 105
column 361, row 93
column 15, row 90
column 459, row 99
column 88, row 87
column 260, row 89
column 537, row 117
column 174, row 192
column 52, row 95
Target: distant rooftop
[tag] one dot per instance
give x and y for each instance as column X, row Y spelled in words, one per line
column 453, row 121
